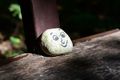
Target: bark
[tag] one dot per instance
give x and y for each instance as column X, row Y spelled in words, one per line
column 95, row 59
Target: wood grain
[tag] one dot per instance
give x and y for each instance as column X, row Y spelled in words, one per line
column 96, row 59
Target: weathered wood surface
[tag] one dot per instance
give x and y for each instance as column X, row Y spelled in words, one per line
column 97, row 59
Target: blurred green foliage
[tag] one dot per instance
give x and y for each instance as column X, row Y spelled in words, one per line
column 8, row 22
column 15, row 41
column 11, row 54
column 15, row 8
column 11, row 25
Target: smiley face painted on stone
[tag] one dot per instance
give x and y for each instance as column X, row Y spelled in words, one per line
column 56, row 41
column 61, row 37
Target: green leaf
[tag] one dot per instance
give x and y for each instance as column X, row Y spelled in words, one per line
column 15, row 8
column 15, row 40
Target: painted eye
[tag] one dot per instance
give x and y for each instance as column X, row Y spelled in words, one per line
column 62, row 34
column 51, row 33
column 55, row 37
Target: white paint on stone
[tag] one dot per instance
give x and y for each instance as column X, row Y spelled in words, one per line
column 56, row 41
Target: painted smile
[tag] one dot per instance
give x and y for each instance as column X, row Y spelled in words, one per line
column 64, row 43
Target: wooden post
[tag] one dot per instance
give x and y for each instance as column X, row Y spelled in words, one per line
column 38, row 15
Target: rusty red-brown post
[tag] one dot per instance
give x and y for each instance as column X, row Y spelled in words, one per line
column 38, row 15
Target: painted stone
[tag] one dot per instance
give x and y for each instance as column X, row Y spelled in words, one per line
column 55, row 41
